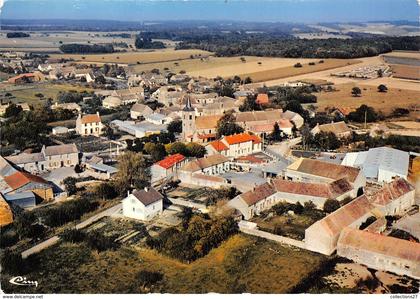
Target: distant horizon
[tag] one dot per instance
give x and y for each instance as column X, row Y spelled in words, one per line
column 280, row 11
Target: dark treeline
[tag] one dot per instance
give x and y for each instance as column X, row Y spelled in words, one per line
column 144, row 41
column 233, row 44
column 86, row 49
column 17, row 34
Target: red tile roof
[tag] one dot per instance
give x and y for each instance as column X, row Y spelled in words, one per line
column 262, row 98
column 20, row 179
column 170, row 161
column 240, row 138
column 91, row 118
column 219, row 145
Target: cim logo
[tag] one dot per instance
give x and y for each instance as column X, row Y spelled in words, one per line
column 22, row 281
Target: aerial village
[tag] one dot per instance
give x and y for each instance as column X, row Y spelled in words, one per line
column 154, row 148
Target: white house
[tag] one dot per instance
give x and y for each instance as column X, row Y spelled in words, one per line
column 143, row 204
column 89, row 124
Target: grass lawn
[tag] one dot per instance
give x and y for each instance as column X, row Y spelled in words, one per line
column 291, row 226
column 27, row 93
column 385, row 102
column 241, row 264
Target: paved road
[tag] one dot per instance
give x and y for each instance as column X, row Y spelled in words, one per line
column 53, row 240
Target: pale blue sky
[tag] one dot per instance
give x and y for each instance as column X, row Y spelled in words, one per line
column 243, row 10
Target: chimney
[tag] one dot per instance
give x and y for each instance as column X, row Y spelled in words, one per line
column 146, row 189
column 97, row 113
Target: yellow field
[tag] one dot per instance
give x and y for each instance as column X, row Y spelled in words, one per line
column 134, row 57
column 258, row 68
column 384, row 102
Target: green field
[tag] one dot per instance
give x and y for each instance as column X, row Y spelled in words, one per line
column 241, row 264
column 27, row 93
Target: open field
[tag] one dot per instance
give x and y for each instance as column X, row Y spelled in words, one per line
column 134, row 57
column 407, row 54
column 27, row 93
column 384, row 102
column 406, row 71
column 50, row 40
column 227, row 67
column 241, row 264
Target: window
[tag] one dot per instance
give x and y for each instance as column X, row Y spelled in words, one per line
column 190, row 117
column 134, row 210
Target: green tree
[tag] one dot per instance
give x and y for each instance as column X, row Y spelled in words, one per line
column 363, row 112
column 70, row 185
column 326, row 141
column 196, row 150
column 331, row 205
column 177, row 148
column 133, row 172
column 276, row 135
column 155, row 150
column 227, row 125
column 175, row 126
column 356, row 91
column 250, row 104
column 12, row 110
column 382, row 88
column 106, row 191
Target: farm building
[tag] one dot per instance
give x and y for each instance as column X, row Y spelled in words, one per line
column 205, row 171
column 391, row 199
column 263, row 197
column 323, row 235
column 138, row 111
column 143, row 204
column 22, row 182
column 380, row 252
column 253, row 202
column 340, row 129
column 50, row 157
column 381, row 164
column 309, row 170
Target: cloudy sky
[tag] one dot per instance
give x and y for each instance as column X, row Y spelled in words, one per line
column 243, row 10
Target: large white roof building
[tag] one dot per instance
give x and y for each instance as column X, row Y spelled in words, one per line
column 381, row 163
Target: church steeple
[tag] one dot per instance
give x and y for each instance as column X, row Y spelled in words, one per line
column 188, row 105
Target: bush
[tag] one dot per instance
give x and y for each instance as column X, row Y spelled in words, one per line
column 148, row 278
column 12, row 262
column 100, row 242
column 106, row 191
column 73, row 235
column 298, row 64
column 70, row 185
column 67, row 211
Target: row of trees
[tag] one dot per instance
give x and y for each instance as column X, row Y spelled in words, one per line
column 86, row 49
column 231, row 44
